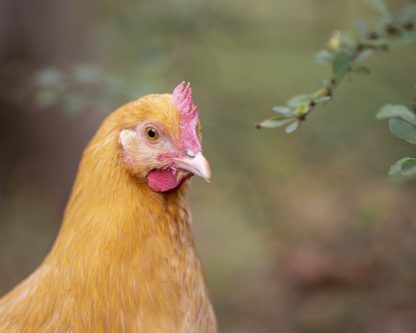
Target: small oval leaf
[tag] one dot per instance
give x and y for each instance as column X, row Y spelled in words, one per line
column 403, row 130
column 322, row 99
column 362, row 29
column 380, row 6
column 282, row 110
column 363, row 56
column 396, row 111
column 404, row 167
column 341, row 65
column 273, row 123
column 292, row 127
column 324, row 57
column 298, row 100
column 408, row 14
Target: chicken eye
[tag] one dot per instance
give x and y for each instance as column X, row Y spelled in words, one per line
column 152, row 133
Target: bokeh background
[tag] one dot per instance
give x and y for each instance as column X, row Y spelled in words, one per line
column 298, row 233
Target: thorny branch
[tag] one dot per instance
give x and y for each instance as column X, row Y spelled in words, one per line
column 345, row 52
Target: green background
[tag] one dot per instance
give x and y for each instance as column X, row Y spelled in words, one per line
column 297, row 233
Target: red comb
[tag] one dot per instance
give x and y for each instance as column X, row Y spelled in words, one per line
column 188, row 116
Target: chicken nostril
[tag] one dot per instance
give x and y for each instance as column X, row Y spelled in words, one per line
column 189, row 153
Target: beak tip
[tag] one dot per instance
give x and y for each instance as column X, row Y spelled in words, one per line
column 198, row 165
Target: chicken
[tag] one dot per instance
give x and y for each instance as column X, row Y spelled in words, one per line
column 124, row 259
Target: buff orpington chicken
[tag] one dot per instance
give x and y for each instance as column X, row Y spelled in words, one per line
column 124, row 259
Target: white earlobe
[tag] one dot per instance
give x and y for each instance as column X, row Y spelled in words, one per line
column 127, row 137
column 128, row 140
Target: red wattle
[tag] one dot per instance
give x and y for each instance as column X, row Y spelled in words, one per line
column 163, row 180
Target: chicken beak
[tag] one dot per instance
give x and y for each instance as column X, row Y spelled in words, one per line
column 198, row 165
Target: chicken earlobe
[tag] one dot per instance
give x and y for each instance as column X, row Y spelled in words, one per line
column 127, row 141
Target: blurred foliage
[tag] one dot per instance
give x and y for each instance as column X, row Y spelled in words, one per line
column 297, row 234
column 404, row 128
column 345, row 53
column 82, row 87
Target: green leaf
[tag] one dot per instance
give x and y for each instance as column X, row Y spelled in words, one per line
column 324, row 57
column 282, row 116
column 296, row 101
column 341, row 65
column 396, row 111
column 284, row 110
column 273, row 122
column 403, row 130
column 380, row 6
column 409, row 166
column 292, row 127
column 321, row 99
column 408, row 14
column 396, row 168
column 362, row 29
column 363, row 56
column 362, row 70
column 404, row 167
